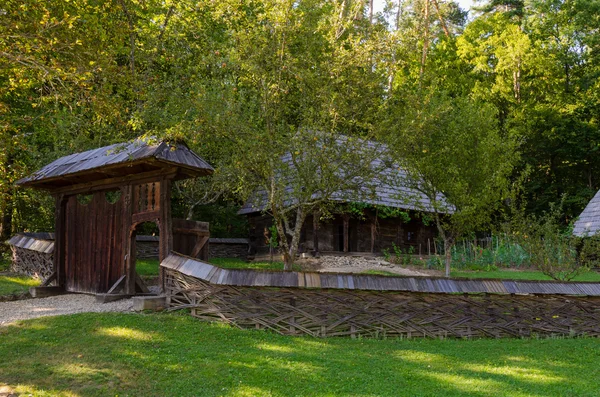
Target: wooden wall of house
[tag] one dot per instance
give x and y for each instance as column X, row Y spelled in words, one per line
column 258, row 225
column 388, row 231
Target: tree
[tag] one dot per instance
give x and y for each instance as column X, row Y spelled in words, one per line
column 455, row 155
column 535, row 65
column 55, row 61
column 299, row 75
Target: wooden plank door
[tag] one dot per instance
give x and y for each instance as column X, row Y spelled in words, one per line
column 191, row 238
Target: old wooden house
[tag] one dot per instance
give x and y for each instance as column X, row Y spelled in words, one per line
column 371, row 232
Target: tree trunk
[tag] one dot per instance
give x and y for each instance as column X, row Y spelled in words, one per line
column 293, row 249
column 316, row 234
column 283, row 243
column 190, row 213
column 448, row 253
column 441, row 18
column 287, row 261
column 425, row 38
column 448, row 243
column 8, row 204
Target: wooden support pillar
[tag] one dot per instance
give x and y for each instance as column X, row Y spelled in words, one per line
column 128, row 240
column 316, row 234
column 373, row 234
column 166, row 227
column 59, row 239
column 346, row 219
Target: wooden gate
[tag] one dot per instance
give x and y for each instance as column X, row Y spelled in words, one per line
column 191, row 238
column 93, row 245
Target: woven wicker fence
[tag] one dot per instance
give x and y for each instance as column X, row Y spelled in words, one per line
column 331, row 312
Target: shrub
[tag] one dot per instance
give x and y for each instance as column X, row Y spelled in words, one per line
column 435, row 262
column 589, row 252
column 551, row 248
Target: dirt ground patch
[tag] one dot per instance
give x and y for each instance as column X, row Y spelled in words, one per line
column 356, row 264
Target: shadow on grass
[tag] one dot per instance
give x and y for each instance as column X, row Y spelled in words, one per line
column 109, row 354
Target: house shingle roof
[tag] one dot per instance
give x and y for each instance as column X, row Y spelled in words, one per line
column 391, row 190
column 588, row 223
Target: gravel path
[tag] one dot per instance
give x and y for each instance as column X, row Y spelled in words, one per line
column 58, row 305
column 361, row 269
column 357, row 264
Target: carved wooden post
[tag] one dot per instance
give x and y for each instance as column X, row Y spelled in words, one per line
column 166, row 227
column 316, row 233
column 59, row 239
column 373, row 234
column 346, row 219
column 128, row 240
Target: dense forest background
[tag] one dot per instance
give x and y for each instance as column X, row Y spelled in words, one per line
column 237, row 80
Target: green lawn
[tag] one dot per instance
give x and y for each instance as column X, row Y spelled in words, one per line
column 149, row 267
column 520, row 275
column 234, row 263
column 14, row 285
column 379, row 273
column 177, row 355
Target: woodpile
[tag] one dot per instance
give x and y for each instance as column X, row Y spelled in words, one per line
column 32, row 254
column 32, row 263
column 323, row 312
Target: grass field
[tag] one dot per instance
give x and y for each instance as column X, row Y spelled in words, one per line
column 177, row 355
column 379, row 273
column 233, row 263
column 149, row 267
column 520, row 275
column 15, row 285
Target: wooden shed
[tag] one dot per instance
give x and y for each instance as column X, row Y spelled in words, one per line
column 101, row 196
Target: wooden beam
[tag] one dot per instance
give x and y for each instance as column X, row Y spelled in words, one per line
column 199, row 245
column 69, row 178
column 184, row 224
column 117, row 286
column 316, row 233
column 50, row 279
column 373, row 234
column 196, row 232
column 44, row 292
column 140, row 284
column 142, row 217
column 114, row 183
column 346, row 219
